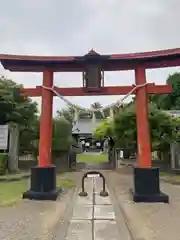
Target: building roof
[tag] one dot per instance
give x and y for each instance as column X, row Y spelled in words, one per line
column 85, row 126
column 112, row 62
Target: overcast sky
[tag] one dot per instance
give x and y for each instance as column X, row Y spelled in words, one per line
column 73, row 27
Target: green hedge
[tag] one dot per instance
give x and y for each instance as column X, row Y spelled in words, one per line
column 3, row 162
column 61, row 144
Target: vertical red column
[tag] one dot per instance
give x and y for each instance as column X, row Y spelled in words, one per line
column 144, row 147
column 46, row 121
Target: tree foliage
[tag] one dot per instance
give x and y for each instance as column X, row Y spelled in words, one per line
column 171, row 100
column 62, row 135
column 66, row 113
column 29, row 137
column 18, row 110
column 123, row 127
column 104, row 129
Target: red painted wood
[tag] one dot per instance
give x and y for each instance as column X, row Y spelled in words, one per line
column 150, row 54
column 34, row 58
column 159, row 89
column 115, row 66
column 46, row 122
column 122, row 90
column 144, row 146
column 114, row 63
column 64, row 68
column 32, row 92
column 139, row 55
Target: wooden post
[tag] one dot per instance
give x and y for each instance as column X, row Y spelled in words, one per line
column 46, row 121
column 144, row 147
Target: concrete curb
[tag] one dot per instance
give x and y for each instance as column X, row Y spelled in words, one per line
column 61, row 228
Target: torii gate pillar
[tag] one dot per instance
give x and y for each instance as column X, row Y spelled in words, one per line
column 43, row 176
column 46, row 121
column 143, row 141
column 146, row 178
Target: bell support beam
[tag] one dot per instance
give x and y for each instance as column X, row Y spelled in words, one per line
column 111, row 90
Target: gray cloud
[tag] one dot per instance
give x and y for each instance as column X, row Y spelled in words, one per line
column 69, row 27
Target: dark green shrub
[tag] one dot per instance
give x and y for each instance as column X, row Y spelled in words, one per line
column 3, row 163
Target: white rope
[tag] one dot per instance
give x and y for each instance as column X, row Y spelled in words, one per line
column 91, row 110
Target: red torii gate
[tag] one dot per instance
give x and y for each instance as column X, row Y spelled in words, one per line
column 43, row 177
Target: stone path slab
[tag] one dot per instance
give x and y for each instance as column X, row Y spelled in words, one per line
column 93, row 216
column 105, row 230
column 104, row 212
column 83, row 212
column 102, row 200
column 79, row 230
column 85, row 200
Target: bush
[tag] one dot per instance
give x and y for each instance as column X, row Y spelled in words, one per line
column 3, row 163
column 62, row 144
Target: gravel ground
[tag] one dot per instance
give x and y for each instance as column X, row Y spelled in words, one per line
column 35, row 219
column 48, row 220
column 147, row 221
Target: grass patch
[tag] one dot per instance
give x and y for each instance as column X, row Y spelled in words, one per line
column 15, row 175
column 11, row 192
column 169, row 175
column 91, row 158
column 164, row 174
column 64, row 182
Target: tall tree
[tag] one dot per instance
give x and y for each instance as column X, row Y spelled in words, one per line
column 62, row 134
column 67, row 113
column 18, row 110
column 96, row 105
column 171, row 100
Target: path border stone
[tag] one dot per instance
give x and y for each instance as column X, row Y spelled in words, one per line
column 60, row 230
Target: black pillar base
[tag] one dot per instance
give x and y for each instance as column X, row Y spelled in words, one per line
column 43, row 184
column 146, row 186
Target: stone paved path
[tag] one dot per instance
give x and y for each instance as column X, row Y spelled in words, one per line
column 94, row 217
